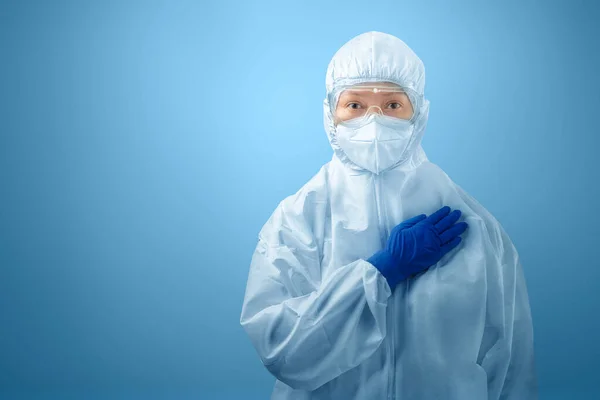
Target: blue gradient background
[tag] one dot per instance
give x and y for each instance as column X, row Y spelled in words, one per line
column 144, row 144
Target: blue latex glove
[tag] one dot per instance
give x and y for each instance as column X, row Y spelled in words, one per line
column 418, row 243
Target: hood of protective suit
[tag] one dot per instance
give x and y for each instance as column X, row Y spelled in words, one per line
column 326, row 323
column 377, row 57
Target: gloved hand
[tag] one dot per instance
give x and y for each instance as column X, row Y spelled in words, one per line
column 418, row 243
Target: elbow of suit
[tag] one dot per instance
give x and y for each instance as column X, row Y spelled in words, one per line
column 303, row 379
column 293, row 358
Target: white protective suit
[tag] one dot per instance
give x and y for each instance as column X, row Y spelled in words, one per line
column 326, row 323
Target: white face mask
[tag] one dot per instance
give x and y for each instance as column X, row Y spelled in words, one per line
column 375, row 142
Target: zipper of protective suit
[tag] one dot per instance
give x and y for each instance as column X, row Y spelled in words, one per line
column 381, row 220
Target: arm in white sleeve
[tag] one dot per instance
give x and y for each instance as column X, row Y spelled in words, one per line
column 508, row 338
column 521, row 380
column 307, row 330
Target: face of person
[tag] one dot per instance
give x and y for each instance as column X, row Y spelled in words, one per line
column 374, row 97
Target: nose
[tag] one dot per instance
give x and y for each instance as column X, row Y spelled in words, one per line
column 374, row 109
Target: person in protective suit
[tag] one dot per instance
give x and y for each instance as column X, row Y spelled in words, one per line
column 381, row 278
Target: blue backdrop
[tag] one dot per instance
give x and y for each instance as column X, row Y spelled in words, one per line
column 144, row 144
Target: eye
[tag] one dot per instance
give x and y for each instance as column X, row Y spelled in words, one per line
column 353, row 106
column 394, row 105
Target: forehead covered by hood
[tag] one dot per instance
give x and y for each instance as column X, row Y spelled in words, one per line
column 375, row 56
